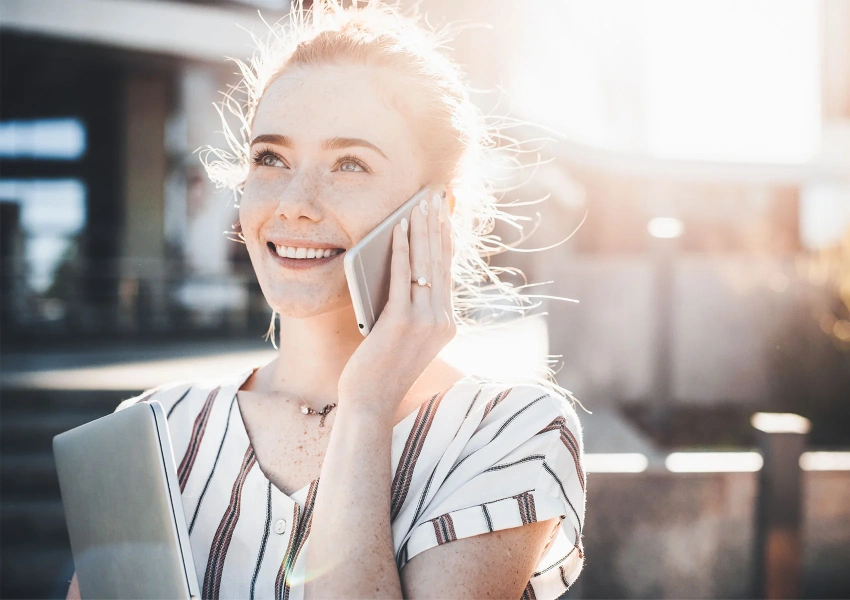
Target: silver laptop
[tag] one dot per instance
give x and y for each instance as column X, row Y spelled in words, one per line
column 122, row 504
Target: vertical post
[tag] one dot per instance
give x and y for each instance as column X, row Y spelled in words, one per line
column 778, row 543
column 665, row 232
column 664, row 251
column 146, row 101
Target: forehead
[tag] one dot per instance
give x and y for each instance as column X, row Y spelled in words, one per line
column 314, row 103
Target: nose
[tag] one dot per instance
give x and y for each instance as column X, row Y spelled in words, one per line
column 300, row 197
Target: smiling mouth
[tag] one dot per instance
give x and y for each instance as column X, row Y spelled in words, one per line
column 302, row 254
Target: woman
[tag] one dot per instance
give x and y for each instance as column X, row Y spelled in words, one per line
column 433, row 484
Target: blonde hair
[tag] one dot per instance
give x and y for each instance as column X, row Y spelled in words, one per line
column 452, row 130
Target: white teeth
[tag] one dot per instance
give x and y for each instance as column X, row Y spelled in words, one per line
column 291, row 252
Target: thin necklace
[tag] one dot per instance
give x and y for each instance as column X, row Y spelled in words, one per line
column 306, row 410
column 324, row 412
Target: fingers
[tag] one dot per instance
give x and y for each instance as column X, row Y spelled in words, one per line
column 420, row 256
column 436, row 257
column 447, row 246
column 400, row 266
column 425, row 251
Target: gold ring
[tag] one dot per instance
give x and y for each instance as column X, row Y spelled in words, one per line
column 421, row 281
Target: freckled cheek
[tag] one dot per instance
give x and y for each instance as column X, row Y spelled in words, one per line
column 250, row 219
column 359, row 212
column 257, row 205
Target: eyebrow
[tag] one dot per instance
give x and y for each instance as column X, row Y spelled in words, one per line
column 336, row 143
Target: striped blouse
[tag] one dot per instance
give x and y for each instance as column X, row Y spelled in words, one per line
column 475, row 458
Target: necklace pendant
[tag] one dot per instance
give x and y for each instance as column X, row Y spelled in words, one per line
column 305, row 409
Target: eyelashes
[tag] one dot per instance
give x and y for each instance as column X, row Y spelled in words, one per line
column 350, row 158
column 260, row 155
column 259, row 158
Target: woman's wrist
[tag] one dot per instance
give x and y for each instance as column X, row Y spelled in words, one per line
column 365, row 413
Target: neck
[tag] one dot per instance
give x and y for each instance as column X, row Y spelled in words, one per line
column 313, row 353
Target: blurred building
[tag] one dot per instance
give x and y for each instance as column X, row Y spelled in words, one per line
column 110, row 226
column 708, row 144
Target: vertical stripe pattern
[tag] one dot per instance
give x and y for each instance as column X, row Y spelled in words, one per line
column 221, row 541
column 284, row 564
column 200, row 426
column 212, row 471
column 564, row 577
column 487, row 517
column 179, row 400
column 265, row 539
column 567, row 438
column 494, row 402
column 520, row 448
column 525, row 502
column 412, row 449
column 564, row 492
column 444, row 527
column 305, row 523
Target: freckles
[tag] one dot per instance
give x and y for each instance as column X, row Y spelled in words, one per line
column 257, row 203
column 264, row 189
column 249, row 222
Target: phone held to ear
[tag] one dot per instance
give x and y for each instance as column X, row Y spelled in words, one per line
column 368, row 264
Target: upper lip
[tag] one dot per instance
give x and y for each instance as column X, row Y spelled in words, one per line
column 303, row 243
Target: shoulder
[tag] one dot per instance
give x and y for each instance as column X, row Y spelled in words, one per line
column 529, row 438
column 528, row 409
column 516, row 459
column 164, row 393
column 184, row 392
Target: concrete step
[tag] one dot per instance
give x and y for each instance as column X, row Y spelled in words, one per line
column 40, row 401
column 32, row 523
column 27, row 431
column 28, row 571
column 29, row 477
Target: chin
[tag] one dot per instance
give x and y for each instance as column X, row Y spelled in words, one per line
column 303, row 307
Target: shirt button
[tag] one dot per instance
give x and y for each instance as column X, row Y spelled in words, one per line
column 279, row 526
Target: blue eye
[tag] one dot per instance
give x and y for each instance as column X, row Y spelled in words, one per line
column 267, row 158
column 351, row 164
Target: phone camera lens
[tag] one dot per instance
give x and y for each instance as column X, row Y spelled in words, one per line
column 361, row 325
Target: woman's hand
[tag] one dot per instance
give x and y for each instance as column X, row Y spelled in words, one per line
column 417, row 321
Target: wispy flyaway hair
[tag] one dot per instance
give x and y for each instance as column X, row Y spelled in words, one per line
column 426, row 87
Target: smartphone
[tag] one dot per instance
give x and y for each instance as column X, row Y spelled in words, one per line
column 368, row 264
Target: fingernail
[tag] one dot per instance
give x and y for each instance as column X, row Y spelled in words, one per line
column 404, row 224
column 423, row 206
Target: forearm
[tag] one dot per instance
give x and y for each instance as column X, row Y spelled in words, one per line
column 350, row 551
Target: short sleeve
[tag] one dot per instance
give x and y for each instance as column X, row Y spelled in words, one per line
column 524, row 464
column 169, row 395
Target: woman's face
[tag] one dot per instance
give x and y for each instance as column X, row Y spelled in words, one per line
column 330, row 160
